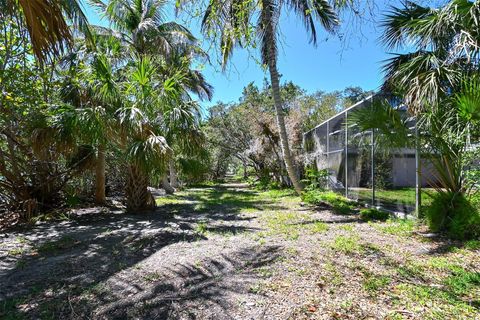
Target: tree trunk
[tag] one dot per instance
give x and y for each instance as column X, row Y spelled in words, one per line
column 274, row 78
column 138, row 197
column 100, row 176
column 173, row 174
column 166, row 185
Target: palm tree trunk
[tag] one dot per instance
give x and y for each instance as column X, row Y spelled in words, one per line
column 100, row 176
column 173, row 174
column 166, row 185
column 138, row 197
column 287, row 156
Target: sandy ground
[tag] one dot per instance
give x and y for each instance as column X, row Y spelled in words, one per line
column 229, row 252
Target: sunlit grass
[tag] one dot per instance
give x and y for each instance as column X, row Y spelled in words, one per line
column 398, row 227
column 347, row 244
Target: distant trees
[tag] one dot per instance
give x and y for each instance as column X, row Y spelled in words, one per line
column 255, row 142
column 232, row 22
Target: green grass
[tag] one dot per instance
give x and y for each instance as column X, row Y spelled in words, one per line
column 347, row 244
column 440, row 287
column 152, row 276
column 16, row 252
column 290, row 225
column 462, row 282
column 285, row 223
column 404, row 196
column 373, row 215
column 434, row 302
column 65, row 242
column 168, row 200
column 472, row 245
column 334, row 277
column 339, row 204
column 398, row 227
column 318, row 227
column 374, row 283
column 279, row 193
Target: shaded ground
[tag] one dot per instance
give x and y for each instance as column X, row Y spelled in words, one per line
column 228, row 252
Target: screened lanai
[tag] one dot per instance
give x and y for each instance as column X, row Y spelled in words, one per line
column 361, row 169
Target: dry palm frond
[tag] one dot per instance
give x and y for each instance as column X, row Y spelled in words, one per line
column 46, row 25
column 46, row 22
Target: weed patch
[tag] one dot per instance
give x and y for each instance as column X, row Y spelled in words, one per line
column 373, row 215
column 56, row 245
column 374, row 283
column 398, row 227
column 339, row 204
column 347, row 244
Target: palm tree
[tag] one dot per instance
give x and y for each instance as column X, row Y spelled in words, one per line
column 439, row 83
column 140, row 24
column 90, row 85
column 447, row 46
column 182, row 114
column 146, row 149
column 232, row 20
column 447, row 51
column 46, row 22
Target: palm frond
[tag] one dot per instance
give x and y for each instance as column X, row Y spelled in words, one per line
column 46, row 22
column 311, row 10
column 468, row 99
column 267, row 30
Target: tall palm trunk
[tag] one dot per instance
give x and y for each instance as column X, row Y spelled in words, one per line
column 274, row 78
column 173, row 173
column 166, row 185
column 138, row 196
column 100, row 176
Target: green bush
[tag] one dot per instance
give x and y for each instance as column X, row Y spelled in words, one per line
column 455, row 214
column 315, row 179
column 339, row 204
column 373, row 215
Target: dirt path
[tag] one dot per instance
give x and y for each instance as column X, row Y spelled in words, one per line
column 229, row 252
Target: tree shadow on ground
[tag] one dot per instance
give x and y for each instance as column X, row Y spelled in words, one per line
column 205, row 288
column 55, row 262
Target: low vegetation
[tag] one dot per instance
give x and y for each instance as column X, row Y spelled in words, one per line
column 373, row 215
column 338, row 203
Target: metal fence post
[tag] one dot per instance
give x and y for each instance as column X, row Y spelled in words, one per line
column 346, row 154
column 372, row 146
column 418, row 168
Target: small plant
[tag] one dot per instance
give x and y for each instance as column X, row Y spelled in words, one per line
column 374, row 283
column 201, row 228
column 454, row 213
column 373, row 215
column 315, row 179
column 472, row 245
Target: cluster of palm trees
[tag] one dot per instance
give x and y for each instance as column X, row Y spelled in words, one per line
column 127, row 88
column 136, row 24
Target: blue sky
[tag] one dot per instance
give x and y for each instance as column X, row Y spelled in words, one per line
column 332, row 65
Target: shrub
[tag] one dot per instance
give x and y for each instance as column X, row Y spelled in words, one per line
column 456, row 214
column 373, row 214
column 315, row 179
column 339, row 204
